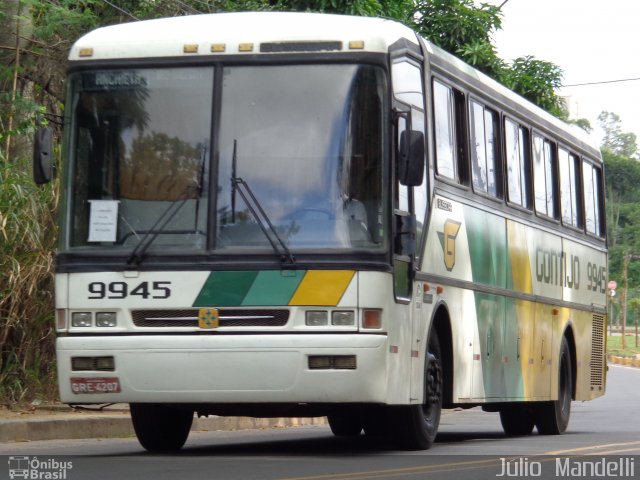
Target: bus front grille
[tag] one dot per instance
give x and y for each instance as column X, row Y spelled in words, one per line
column 227, row 318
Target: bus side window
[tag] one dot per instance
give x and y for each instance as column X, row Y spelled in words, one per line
column 516, row 152
column 591, row 176
column 569, row 188
column 544, row 184
column 445, row 131
column 483, row 132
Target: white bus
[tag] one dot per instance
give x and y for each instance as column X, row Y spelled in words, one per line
column 288, row 214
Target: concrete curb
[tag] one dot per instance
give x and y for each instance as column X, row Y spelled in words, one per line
column 34, row 429
column 116, row 424
column 628, row 361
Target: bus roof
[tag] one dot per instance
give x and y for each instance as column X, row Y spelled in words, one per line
column 238, row 33
column 249, row 33
column 512, row 101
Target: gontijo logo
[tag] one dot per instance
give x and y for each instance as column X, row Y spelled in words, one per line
column 448, row 242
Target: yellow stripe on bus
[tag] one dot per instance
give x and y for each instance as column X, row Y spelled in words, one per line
column 520, row 266
column 322, row 287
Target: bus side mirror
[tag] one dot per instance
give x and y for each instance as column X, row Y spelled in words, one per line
column 411, row 158
column 42, row 156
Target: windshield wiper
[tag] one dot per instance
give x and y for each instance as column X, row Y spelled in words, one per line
column 237, row 185
column 163, row 220
column 171, row 211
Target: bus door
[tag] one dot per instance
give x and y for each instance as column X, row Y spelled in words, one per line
column 410, row 205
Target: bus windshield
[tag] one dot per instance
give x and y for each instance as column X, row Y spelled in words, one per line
column 307, row 141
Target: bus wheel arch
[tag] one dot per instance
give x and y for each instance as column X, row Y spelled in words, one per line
column 441, row 325
column 570, row 337
column 414, row 427
column 552, row 417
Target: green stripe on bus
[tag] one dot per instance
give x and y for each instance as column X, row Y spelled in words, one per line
column 225, row 289
column 273, row 287
column 488, row 248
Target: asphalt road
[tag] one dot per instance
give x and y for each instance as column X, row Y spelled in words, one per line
column 603, row 434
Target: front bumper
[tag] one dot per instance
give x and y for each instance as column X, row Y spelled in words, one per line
column 231, row 369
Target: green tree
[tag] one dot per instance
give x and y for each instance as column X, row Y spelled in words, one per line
column 537, row 81
column 463, row 29
column 622, row 176
column 616, row 141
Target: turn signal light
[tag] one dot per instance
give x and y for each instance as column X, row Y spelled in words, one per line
column 61, row 319
column 372, row 319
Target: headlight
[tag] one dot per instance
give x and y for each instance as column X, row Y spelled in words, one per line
column 106, row 319
column 343, row 318
column 81, row 319
column 315, row 318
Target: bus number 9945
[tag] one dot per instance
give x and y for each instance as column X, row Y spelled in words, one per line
column 158, row 290
column 597, row 277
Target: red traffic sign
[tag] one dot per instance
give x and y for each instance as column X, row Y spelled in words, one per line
column 612, row 285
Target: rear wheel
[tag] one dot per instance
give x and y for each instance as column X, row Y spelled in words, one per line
column 552, row 418
column 415, row 427
column 161, row 428
column 517, row 419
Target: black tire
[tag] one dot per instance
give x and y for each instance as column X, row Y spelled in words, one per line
column 345, row 424
column 376, row 422
column 517, row 419
column 552, row 418
column 161, row 428
column 414, row 427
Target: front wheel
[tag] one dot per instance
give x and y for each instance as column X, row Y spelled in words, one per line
column 161, row 428
column 552, row 418
column 415, row 426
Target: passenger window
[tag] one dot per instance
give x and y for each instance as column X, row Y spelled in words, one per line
column 543, row 176
column 592, row 195
column 516, row 148
column 445, row 130
column 569, row 186
column 483, row 130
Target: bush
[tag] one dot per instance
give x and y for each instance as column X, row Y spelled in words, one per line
column 27, row 240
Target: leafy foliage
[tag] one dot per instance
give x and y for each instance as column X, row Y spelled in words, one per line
column 622, row 176
column 616, row 141
column 27, row 238
column 537, row 81
column 462, row 28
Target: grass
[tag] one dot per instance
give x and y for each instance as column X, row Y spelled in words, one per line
column 27, row 241
column 614, row 345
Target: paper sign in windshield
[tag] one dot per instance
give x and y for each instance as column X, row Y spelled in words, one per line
column 103, row 220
